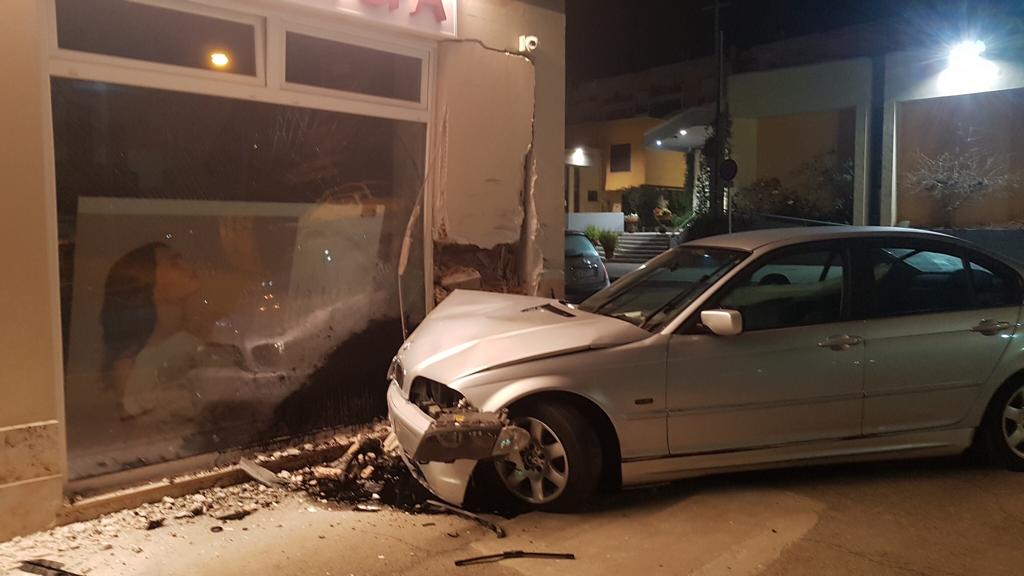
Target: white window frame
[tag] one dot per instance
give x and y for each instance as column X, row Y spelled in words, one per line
column 68, row 62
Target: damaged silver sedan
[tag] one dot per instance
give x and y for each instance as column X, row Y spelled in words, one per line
column 735, row 352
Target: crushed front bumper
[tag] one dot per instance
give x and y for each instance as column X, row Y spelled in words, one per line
column 443, row 452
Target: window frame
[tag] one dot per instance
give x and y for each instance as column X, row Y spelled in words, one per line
column 865, row 281
column 70, row 63
column 693, row 325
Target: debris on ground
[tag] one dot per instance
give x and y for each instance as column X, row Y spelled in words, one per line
column 367, row 474
column 45, row 568
column 446, row 508
column 512, row 555
column 370, row 471
column 261, row 474
column 233, row 515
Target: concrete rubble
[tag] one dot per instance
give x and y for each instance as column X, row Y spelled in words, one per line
column 367, row 477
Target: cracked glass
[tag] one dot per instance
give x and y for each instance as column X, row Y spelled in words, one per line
column 229, row 269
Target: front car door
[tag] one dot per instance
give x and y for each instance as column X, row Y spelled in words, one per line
column 939, row 318
column 795, row 373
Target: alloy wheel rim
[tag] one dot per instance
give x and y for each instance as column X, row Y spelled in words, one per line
column 540, row 473
column 1013, row 422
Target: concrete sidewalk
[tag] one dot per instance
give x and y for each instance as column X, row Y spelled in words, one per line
column 933, row 517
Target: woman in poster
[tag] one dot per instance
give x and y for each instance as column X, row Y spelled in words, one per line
column 148, row 347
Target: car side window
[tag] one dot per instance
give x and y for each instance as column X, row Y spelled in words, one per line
column 994, row 285
column 797, row 289
column 908, row 280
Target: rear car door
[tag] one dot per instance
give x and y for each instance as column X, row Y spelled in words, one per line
column 794, row 374
column 939, row 317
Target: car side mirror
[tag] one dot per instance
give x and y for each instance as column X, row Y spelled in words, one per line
column 723, row 322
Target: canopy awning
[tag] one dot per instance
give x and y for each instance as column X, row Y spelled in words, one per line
column 696, row 122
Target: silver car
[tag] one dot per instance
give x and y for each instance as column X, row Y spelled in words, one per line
column 754, row 350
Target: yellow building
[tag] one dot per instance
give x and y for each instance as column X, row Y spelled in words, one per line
column 606, row 158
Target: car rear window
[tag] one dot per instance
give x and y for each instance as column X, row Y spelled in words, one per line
column 578, row 246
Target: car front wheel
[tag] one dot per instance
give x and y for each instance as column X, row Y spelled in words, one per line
column 1004, row 427
column 560, row 470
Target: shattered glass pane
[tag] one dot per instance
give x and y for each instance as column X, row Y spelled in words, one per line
column 229, row 269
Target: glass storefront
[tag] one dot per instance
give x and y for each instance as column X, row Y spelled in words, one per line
column 229, row 268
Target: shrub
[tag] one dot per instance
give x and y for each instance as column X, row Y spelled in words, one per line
column 609, row 240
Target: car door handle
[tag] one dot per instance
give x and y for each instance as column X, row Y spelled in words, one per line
column 991, row 327
column 841, row 342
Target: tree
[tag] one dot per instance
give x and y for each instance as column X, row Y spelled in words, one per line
column 962, row 177
column 826, row 192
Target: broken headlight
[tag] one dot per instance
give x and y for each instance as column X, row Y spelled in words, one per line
column 395, row 372
column 433, row 397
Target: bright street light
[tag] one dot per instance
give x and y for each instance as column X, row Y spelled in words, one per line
column 968, row 70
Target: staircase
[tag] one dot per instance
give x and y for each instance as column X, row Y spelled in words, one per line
column 640, row 247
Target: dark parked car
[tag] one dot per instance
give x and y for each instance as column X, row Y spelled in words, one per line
column 585, row 273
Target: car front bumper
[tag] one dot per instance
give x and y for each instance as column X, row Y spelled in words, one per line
column 442, row 453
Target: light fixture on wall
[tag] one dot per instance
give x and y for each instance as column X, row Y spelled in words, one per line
column 658, row 142
column 219, row 59
column 578, row 158
column 683, row 132
column 968, row 70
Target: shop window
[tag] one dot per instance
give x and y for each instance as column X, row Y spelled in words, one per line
column 150, row 33
column 621, row 158
column 346, row 67
column 229, row 268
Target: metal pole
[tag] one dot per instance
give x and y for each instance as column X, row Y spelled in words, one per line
column 728, row 192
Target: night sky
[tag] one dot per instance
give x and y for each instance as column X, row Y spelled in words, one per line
column 609, row 37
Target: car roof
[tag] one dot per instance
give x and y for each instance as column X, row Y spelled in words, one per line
column 755, row 239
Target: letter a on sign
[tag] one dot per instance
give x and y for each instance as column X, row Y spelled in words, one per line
column 392, row 4
column 436, row 5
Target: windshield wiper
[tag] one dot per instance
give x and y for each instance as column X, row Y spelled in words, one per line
column 674, row 301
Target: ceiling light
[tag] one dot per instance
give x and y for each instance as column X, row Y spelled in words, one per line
column 219, row 59
column 579, row 157
column 682, row 132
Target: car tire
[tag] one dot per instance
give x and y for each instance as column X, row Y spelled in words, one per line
column 516, row 478
column 1003, row 428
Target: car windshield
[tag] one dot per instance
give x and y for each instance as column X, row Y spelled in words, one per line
column 656, row 292
column 576, row 246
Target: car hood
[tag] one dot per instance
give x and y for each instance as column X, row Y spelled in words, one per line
column 475, row 331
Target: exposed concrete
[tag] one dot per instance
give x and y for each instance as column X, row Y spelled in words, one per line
column 30, row 451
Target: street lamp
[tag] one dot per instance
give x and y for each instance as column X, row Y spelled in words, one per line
column 968, row 70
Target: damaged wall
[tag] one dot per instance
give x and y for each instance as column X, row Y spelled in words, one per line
column 498, row 152
column 484, row 167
